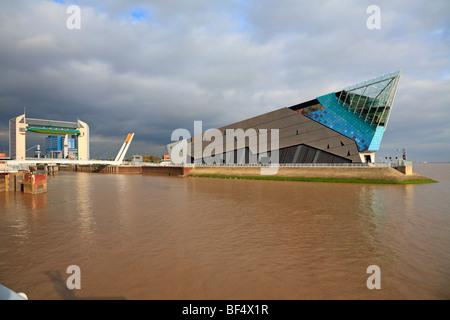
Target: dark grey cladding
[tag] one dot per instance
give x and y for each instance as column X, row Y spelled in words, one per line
column 301, row 140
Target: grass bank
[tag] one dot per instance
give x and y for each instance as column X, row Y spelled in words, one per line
column 314, row 179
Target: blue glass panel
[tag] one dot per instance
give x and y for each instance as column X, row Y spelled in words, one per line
column 337, row 117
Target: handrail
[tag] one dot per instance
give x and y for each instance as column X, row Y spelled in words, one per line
column 263, row 165
column 7, row 167
column 381, row 165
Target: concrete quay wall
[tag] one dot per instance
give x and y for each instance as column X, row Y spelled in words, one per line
column 347, row 173
column 127, row 169
column 27, row 182
column 339, row 172
column 34, row 183
column 167, row 170
column 102, row 169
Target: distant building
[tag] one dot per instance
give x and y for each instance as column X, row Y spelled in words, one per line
column 58, row 147
column 137, row 159
column 54, row 147
column 70, row 147
column 340, row 127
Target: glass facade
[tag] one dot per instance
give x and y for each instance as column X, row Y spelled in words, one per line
column 295, row 154
column 372, row 100
column 53, row 143
column 72, row 143
column 360, row 112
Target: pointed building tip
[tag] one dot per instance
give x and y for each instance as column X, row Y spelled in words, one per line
column 372, row 99
column 395, row 74
column 382, row 78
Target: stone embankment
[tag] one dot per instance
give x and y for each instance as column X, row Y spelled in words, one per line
column 304, row 173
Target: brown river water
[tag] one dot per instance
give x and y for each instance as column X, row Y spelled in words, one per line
column 153, row 237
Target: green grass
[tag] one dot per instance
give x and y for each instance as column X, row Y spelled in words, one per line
column 278, row 178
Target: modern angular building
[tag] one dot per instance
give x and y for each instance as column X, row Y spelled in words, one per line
column 340, row 127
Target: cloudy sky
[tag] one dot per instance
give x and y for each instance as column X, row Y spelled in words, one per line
column 153, row 66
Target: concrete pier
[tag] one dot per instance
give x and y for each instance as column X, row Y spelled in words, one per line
column 109, row 169
column 129, row 169
column 5, row 183
column 11, row 182
column 23, row 182
column 34, row 183
column 167, row 170
column 406, row 170
column 18, row 182
column 51, row 169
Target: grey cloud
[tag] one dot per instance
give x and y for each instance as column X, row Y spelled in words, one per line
column 219, row 62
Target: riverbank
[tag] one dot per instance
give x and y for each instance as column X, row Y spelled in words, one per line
column 380, row 175
column 354, row 174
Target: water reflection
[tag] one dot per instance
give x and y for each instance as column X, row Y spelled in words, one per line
column 408, row 197
column 194, row 238
column 123, row 196
column 21, row 227
column 36, row 202
column 84, row 193
column 19, row 211
column 5, row 200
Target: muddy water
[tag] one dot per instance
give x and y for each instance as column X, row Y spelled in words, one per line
column 150, row 237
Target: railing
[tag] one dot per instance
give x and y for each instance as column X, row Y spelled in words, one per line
column 53, row 123
column 381, row 165
column 385, row 165
column 263, row 165
column 5, row 167
column 8, row 167
column 398, row 163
